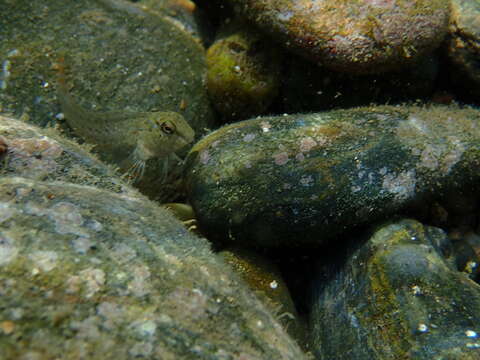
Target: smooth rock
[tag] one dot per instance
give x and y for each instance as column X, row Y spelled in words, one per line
column 398, row 296
column 89, row 274
column 303, row 179
column 118, row 57
column 363, row 36
column 243, row 75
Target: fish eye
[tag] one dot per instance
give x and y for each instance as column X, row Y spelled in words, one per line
column 167, row 127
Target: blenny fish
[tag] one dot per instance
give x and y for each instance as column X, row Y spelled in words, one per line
column 127, row 139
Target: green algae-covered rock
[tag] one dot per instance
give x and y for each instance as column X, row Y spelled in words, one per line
column 243, row 72
column 362, row 36
column 302, row 179
column 118, row 57
column 89, row 274
column 464, row 43
column 398, row 297
column 43, row 154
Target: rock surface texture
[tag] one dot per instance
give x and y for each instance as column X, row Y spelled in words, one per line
column 361, row 36
column 302, row 179
column 399, row 296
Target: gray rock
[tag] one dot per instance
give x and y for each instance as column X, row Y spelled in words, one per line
column 89, row 274
column 398, row 296
column 305, row 178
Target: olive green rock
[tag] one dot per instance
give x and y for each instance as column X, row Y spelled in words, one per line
column 303, row 179
column 89, row 274
column 398, row 296
column 361, row 36
column 243, row 75
column 118, row 57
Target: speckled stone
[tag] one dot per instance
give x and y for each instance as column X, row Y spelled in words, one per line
column 399, row 296
column 361, row 36
column 43, row 154
column 463, row 45
column 303, row 179
column 89, row 274
column 118, row 57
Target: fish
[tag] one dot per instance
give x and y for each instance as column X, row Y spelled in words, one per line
column 126, row 139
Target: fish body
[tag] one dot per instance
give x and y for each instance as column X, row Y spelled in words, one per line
column 127, row 139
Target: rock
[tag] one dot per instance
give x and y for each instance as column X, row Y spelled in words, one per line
column 43, row 154
column 398, row 296
column 264, row 278
column 183, row 13
column 463, row 46
column 303, row 179
column 243, row 72
column 119, row 57
column 89, row 274
column 367, row 36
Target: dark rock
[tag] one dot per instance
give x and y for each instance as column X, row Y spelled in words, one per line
column 397, row 297
column 303, row 179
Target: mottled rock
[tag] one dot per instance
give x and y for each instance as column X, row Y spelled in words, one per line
column 399, row 296
column 43, row 154
column 463, row 45
column 89, row 274
column 303, row 179
column 365, row 36
column 119, row 57
column 243, row 72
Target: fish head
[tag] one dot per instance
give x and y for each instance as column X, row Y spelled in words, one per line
column 165, row 132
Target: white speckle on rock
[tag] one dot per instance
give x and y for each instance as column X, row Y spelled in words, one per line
column 307, row 144
column 306, row 180
column 123, row 253
column 94, row 280
column 300, row 157
column 140, row 285
column 145, row 327
column 422, row 328
column 6, row 211
column 280, row 158
column 8, row 251
column 45, row 260
column 265, row 126
column 204, row 157
column 471, row 334
column 249, row 137
column 273, row 284
column 68, row 219
column 401, row 185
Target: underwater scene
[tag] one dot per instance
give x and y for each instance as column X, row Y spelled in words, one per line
column 240, row 179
